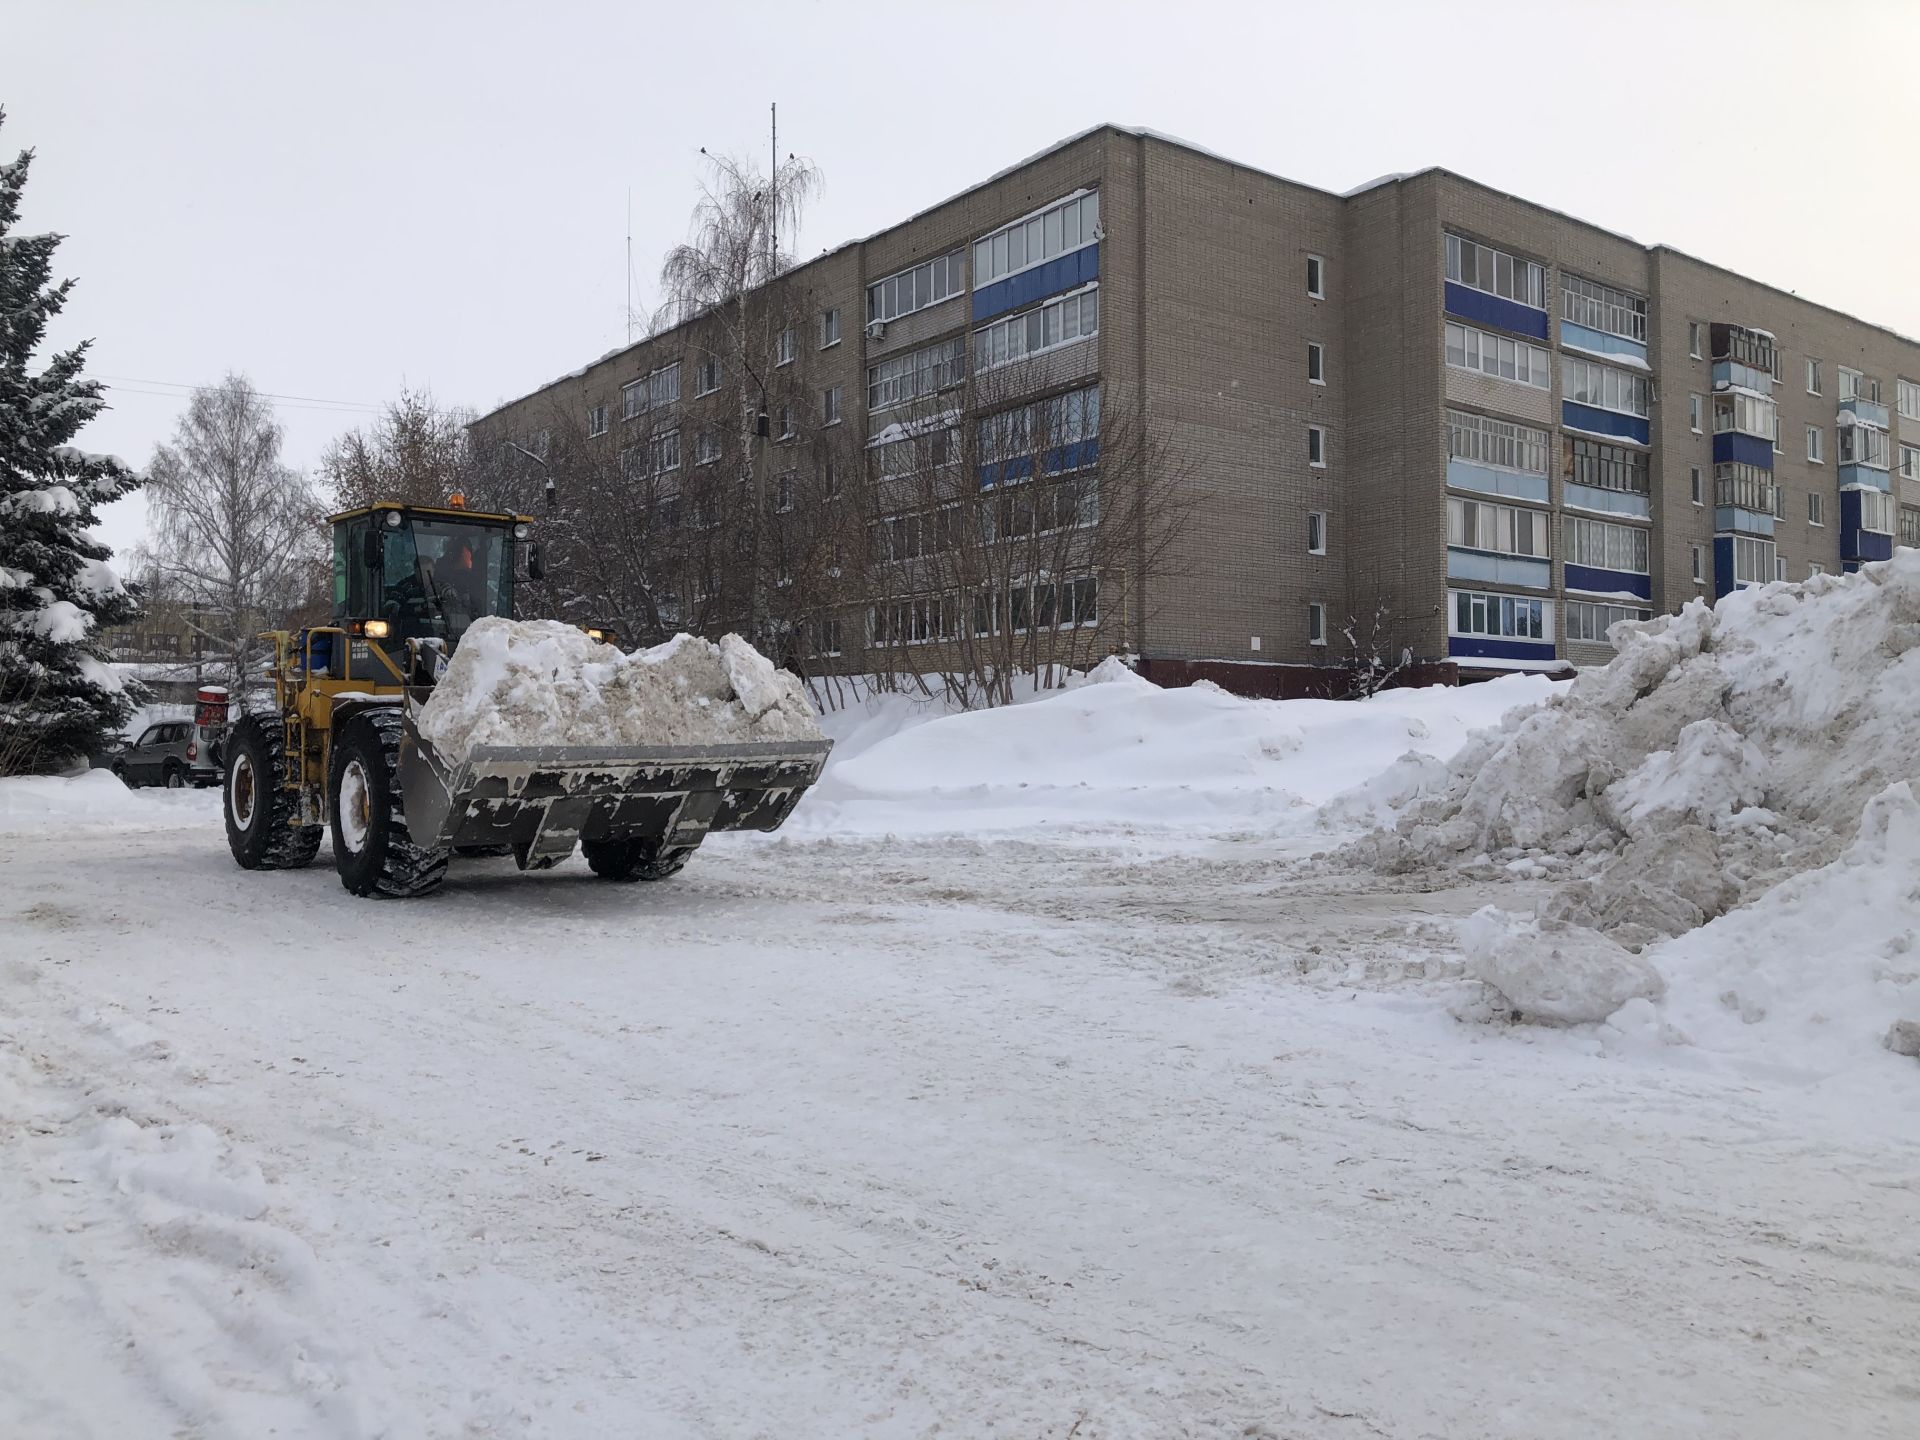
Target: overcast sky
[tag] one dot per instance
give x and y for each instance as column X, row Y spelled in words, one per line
column 336, row 199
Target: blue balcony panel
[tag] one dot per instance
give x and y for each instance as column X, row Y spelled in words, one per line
column 1731, row 447
column 1596, row 421
column 1857, row 543
column 1598, row 342
column 1464, row 475
column 1865, row 475
column 1496, row 310
column 1727, row 519
column 1063, row 272
column 1722, row 566
column 1609, row 582
column 1867, row 412
column 1488, row 647
column 1485, row 566
column 1613, row 502
column 1056, row 460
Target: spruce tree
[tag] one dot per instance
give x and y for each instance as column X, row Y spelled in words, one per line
column 58, row 696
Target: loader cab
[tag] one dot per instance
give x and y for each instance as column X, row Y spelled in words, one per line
column 427, row 573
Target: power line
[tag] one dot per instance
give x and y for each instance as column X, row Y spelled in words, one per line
column 128, row 381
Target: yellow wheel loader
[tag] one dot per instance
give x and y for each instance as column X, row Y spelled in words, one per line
column 344, row 750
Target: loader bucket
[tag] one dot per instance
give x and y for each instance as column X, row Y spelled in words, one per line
column 543, row 799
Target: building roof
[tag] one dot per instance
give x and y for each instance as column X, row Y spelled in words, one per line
column 1143, row 133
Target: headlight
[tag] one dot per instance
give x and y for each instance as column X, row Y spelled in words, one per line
column 520, row 532
column 596, row 634
column 377, row 629
column 393, row 519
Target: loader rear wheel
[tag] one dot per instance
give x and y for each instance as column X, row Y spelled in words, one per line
column 372, row 847
column 627, row 860
column 260, row 829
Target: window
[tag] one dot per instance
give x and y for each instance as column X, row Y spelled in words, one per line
column 1698, row 556
column 1480, row 267
column 1779, row 503
column 1813, row 376
column 1507, row 616
column 706, row 447
column 1589, row 620
column 1752, row 560
column 783, row 348
column 1605, row 466
column 830, row 405
column 1498, row 443
column 662, row 387
column 1744, row 487
column 901, row 378
column 1877, row 511
column 707, row 376
column 1696, row 491
column 1910, row 462
column 1317, row 446
column 1496, row 355
column 1779, row 566
column 1863, row 445
column 1815, row 436
column 1693, row 339
column 1058, row 322
column 633, row 399
column 829, row 329
column 1696, row 408
column 1752, row 348
column 829, row 479
column 1059, row 424
column 1038, row 238
column 783, row 488
column 663, row 452
column 1588, row 383
column 787, row 432
column 1909, row 526
column 1814, row 516
column 1316, row 532
column 1501, row 529
column 1779, row 440
column 596, row 420
column 1814, row 567
column 1602, row 546
column 1601, row 307
column 1856, row 386
column 1316, row 277
column 1316, row 623
column 1748, row 414
column 1907, row 393
column 1316, row 364
column 940, row 278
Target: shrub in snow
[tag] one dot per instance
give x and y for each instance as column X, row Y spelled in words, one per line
column 58, row 696
column 543, row 682
column 1722, row 750
column 1550, row 971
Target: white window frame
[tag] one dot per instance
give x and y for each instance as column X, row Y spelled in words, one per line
column 1009, row 339
column 633, row 399
column 1316, row 277
column 1909, row 462
column 1753, row 558
column 1074, row 218
column 1696, row 412
column 706, row 448
column 901, row 379
column 596, row 420
column 1538, row 612
column 1316, row 622
column 1813, row 376
column 1816, row 510
column 1696, row 485
column 784, row 348
column 1695, row 332
column 1816, row 445
column 829, row 328
column 1603, row 307
column 706, row 376
column 1745, row 414
column 1814, row 567
column 1864, row 445
column 1497, row 444
column 1779, row 565
column 784, row 488
column 663, row 452
column 1316, row 363
column 898, row 294
column 1476, row 347
column 830, row 406
column 1624, row 549
column 1316, row 532
column 1697, row 556
column 787, row 430
column 1317, row 447
column 1597, row 617
column 1522, row 275
column 1495, row 529
column 1879, row 512
column 1620, row 392
column 1906, row 395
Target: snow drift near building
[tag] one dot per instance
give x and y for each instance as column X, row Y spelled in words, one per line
column 1722, row 750
column 542, row 682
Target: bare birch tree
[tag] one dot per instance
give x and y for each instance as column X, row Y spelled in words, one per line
column 233, row 531
column 415, row 453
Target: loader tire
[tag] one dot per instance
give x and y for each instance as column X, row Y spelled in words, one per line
column 260, row 829
column 628, row 860
column 372, row 847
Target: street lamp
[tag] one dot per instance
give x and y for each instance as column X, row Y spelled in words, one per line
column 541, row 462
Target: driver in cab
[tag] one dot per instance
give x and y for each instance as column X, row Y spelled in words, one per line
column 462, row 584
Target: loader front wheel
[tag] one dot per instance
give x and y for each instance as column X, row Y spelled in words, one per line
column 260, row 814
column 627, row 860
column 372, row 848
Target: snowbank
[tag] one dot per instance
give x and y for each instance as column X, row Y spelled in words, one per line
column 542, row 682
column 1721, row 750
column 46, row 802
column 1115, row 750
column 1551, row 971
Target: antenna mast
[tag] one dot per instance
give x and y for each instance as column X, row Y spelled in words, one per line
column 629, row 265
column 773, row 191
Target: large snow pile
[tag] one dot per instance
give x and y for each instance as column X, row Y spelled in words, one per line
column 51, row 803
column 1722, row 750
column 542, row 682
column 1116, row 751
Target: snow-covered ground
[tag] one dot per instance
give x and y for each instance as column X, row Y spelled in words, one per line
column 1036, row 1081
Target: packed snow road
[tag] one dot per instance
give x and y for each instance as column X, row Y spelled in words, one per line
column 885, row 1138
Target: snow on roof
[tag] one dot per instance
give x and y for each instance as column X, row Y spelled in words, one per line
column 1392, row 178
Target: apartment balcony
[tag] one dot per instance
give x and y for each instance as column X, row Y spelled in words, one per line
column 1733, row 375
column 1634, row 504
column 1743, row 505
column 1865, row 412
column 1491, row 568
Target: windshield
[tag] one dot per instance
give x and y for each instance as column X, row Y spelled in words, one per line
column 436, row 576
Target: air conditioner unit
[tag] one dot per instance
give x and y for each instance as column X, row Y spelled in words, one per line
column 876, row 329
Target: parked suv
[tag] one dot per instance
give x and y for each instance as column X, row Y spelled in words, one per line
column 168, row 754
